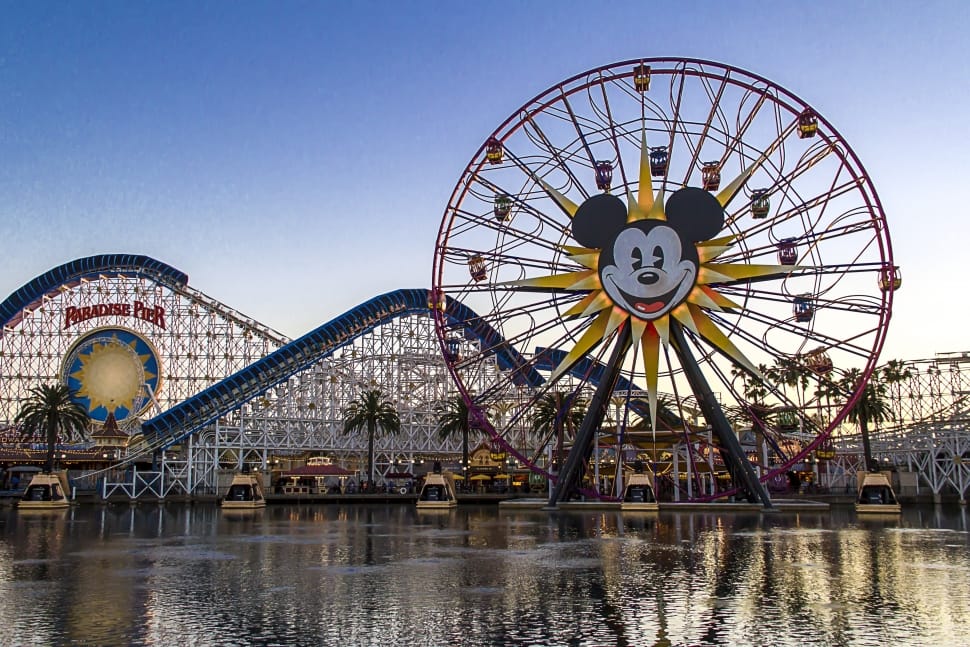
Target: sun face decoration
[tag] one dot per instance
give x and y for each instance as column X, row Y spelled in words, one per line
column 647, row 262
column 109, row 369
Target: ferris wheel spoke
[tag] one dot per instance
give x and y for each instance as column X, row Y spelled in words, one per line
column 471, row 222
column 579, row 130
column 761, row 228
column 675, row 119
column 805, row 335
column 749, row 119
column 560, row 162
column 702, row 136
column 800, row 264
column 515, row 202
column 613, row 135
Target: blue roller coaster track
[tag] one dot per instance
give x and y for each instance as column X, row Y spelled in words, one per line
column 202, row 409
column 70, row 274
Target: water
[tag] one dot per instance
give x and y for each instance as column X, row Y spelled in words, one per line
column 388, row 575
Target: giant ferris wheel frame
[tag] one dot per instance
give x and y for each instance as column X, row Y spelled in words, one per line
column 801, row 269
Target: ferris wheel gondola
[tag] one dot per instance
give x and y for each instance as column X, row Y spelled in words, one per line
column 673, row 224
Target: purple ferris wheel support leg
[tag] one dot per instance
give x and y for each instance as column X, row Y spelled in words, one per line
column 742, row 474
column 571, row 475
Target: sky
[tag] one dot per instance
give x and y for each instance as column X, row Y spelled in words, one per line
column 295, row 158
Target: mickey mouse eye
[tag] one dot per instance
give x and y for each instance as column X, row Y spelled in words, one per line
column 637, row 257
column 658, row 257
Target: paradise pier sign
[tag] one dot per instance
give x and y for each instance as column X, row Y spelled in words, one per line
column 152, row 314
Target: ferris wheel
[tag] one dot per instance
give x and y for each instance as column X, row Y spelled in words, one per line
column 658, row 235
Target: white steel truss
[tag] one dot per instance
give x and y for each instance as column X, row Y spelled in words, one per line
column 203, row 341
column 199, row 340
column 305, row 415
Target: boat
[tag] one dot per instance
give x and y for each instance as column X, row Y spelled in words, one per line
column 46, row 491
column 245, row 493
column 638, row 493
column 438, row 492
column 876, row 494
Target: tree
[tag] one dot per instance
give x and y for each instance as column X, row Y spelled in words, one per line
column 453, row 420
column 873, row 405
column 373, row 412
column 557, row 413
column 51, row 414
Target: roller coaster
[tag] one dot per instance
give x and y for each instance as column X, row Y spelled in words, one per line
column 230, row 392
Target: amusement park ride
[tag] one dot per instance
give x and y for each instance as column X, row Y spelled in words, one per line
column 688, row 249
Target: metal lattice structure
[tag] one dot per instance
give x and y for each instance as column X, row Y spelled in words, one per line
column 675, row 221
column 390, row 343
column 304, row 414
column 198, row 339
column 930, row 434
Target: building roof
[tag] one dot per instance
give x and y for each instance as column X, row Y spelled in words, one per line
column 318, row 470
column 110, row 430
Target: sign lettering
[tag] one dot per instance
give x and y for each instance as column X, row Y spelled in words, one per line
column 152, row 314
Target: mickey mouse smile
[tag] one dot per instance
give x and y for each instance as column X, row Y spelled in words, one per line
column 647, row 309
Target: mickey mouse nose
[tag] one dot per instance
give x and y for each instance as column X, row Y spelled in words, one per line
column 648, row 278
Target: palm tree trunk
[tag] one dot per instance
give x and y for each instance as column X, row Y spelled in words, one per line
column 51, row 445
column 370, row 453
column 464, row 454
column 866, row 446
column 560, row 442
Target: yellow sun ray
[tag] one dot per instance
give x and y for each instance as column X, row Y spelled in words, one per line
column 699, row 297
column 592, row 337
column 682, row 314
column 707, row 329
column 638, row 327
column 565, row 203
column 663, row 329
column 726, row 273
column 718, row 242
column 722, row 301
column 575, row 250
column 657, row 210
column 728, row 192
column 591, row 303
column 707, row 253
column 570, row 280
column 590, row 260
column 617, row 316
column 650, row 345
column 633, row 212
column 646, row 179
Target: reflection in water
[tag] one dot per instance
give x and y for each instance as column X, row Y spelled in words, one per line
column 383, row 574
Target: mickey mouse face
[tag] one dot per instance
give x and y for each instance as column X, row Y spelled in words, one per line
column 647, row 267
column 648, row 270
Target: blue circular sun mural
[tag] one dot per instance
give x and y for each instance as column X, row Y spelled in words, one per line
column 109, row 370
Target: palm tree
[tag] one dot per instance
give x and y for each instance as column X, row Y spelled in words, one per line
column 874, row 405
column 375, row 413
column 52, row 414
column 452, row 420
column 557, row 413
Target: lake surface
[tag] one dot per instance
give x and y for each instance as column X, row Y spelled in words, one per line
column 479, row 575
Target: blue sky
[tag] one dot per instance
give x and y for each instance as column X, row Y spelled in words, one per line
column 295, row 158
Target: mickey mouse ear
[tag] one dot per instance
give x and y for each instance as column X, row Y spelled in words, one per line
column 598, row 220
column 694, row 213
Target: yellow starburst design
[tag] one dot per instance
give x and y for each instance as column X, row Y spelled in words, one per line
column 650, row 332
column 112, row 375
